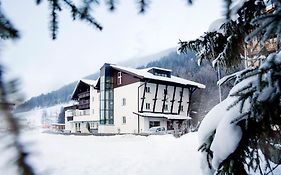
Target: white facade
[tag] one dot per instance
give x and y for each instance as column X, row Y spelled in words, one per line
column 125, row 104
column 138, row 104
column 84, row 121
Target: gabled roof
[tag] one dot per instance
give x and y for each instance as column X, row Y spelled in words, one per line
column 89, row 82
column 85, row 81
column 144, row 74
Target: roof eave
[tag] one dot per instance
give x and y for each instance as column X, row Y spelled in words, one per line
column 128, row 72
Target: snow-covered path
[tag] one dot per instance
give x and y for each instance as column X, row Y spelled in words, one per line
column 115, row 155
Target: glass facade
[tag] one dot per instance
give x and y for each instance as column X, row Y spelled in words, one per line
column 106, row 95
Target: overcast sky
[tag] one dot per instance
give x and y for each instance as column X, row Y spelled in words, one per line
column 43, row 64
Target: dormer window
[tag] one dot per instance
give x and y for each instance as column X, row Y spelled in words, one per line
column 160, row 72
column 119, row 78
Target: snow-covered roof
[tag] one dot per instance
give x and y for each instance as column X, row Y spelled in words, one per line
column 143, row 73
column 160, row 115
column 159, row 68
column 86, row 81
column 89, row 82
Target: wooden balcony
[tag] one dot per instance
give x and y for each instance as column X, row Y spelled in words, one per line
column 76, row 113
column 84, row 95
column 72, row 107
column 84, row 106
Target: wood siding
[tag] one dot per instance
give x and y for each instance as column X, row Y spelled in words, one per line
column 126, row 79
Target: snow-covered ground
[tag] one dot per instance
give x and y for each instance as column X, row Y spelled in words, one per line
column 33, row 117
column 113, row 155
column 104, row 155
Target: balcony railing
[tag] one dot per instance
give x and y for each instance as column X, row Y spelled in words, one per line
column 84, row 106
column 82, row 112
column 84, row 94
column 72, row 113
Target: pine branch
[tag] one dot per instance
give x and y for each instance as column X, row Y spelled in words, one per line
column 143, row 5
column 55, row 7
column 190, row 2
column 7, row 30
column 111, row 4
column 268, row 25
column 38, row 1
column 84, row 15
column 73, row 8
column 242, row 117
column 86, row 8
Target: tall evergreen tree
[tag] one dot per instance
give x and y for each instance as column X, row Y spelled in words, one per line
column 255, row 96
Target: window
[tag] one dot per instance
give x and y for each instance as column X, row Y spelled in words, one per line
column 119, row 78
column 106, row 107
column 147, row 89
column 92, row 125
column 166, row 107
column 147, row 105
column 181, row 108
column 124, row 120
column 154, row 123
column 77, row 126
column 123, row 101
column 69, row 118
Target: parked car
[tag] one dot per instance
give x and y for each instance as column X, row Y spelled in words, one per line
column 157, row 130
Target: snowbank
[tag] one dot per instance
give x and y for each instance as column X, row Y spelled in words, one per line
column 113, row 155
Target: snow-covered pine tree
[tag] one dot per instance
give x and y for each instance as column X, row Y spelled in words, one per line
column 241, row 135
